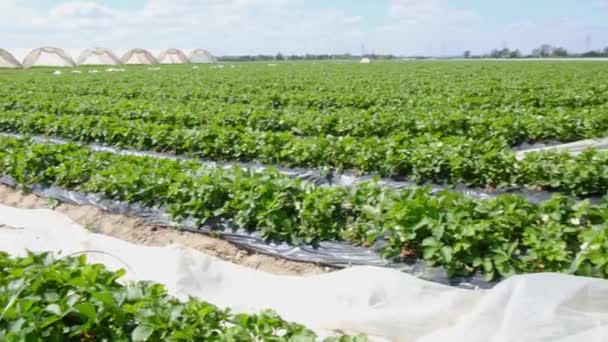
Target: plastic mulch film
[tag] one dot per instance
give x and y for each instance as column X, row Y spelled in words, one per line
column 574, row 148
column 318, row 177
column 331, row 253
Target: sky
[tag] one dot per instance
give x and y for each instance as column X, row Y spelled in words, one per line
column 234, row 27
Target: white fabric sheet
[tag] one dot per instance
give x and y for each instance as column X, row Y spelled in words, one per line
column 385, row 304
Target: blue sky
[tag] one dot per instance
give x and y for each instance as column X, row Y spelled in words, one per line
column 438, row 27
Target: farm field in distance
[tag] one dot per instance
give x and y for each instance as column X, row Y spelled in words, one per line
column 430, row 122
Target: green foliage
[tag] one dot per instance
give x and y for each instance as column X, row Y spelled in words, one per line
column 429, row 122
column 499, row 237
column 440, row 122
column 43, row 299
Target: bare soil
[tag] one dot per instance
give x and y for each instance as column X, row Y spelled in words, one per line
column 136, row 230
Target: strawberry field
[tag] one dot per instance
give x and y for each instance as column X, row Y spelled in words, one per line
column 438, row 122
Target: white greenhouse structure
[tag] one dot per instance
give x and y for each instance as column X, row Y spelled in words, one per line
column 7, row 60
column 138, row 56
column 172, row 56
column 201, row 56
column 98, row 56
column 74, row 57
column 48, row 56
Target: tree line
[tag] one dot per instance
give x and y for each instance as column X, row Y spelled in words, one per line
column 305, row 57
column 543, row 51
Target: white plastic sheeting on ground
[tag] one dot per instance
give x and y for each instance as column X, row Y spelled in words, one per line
column 574, row 148
column 386, row 304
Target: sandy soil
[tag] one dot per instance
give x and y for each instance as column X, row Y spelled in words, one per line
column 135, row 230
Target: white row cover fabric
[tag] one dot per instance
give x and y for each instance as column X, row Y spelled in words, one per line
column 7, row 60
column 172, row 56
column 385, row 304
column 98, row 56
column 48, row 56
column 138, row 56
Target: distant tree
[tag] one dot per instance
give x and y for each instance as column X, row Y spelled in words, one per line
column 606, row 51
column 279, row 57
column 515, row 54
column 559, row 52
column 592, row 54
column 502, row 53
column 467, row 54
column 546, row 50
column 535, row 53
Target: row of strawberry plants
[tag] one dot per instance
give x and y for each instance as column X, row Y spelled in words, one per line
column 478, row 100
column 422, row 159
column 435, row 85
column 498, row 237
column 69, row 299
column 516, row 126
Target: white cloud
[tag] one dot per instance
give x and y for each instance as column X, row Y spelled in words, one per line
column 263, row 26
column 430, row 27
column 414, row 9
column 80, row 9
column 14, row 15
column 430, row 14
column 564, row 32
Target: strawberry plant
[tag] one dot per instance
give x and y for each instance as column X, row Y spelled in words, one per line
column 435, row 122
column 45, row 299
column 449, row 123
column 499, row 237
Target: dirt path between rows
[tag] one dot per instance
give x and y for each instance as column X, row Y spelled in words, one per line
column 136, row 230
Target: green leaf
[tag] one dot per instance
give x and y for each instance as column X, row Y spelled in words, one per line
column 142, row 333
column 488, row 266
column 302, row 338
column 87, row 309
column 429, row 252
column 430, row 242
column 446, row 252
column 54, row 309
column 477, row 261
column 105, row 297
